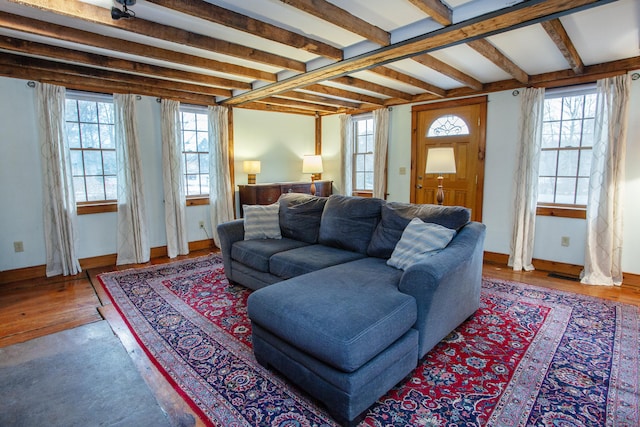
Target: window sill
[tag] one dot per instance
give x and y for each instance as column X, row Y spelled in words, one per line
column 578, row 212
column 362, row 193
column 197, row 200
column 97, row 207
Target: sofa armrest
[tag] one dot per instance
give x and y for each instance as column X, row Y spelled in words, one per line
column 229, row 233
column 446, row 286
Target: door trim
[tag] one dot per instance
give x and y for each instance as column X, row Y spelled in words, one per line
column 482, row 100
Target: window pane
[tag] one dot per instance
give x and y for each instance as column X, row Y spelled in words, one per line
column 368, row 162
column 582, row 193
column 548, row 163
column 73, row 135
column 448, row 125
column 77, row 168
column 190, row 141
column 585, row 163
column 359, row 162
column 546, row 187
column 204, row 184
column 202, row 122
column 587, row 132
column 105, row 113
column 572, row 107
column 78, row 189
column 90, row 135
column 93, row 163
column 111, row 184
column 571, row 133
column 109, row 161
column 106, row 136
column 360, row 181
column 361, row 146
column 590, row 105
column 203, row 142
column 369, row 123
column 71, row 110
column 193, row 185
column 192, row 163
column 565, row 191
column 552, row 109
column 370, row 144
column 204, row 163
column 361, row 127
column 88, row 111
column 368, row 185
column 188, row 121
column 95, row 188
column 551, row 135
column 568, row 163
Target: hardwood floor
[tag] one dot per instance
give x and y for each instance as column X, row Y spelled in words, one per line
column 34, row 308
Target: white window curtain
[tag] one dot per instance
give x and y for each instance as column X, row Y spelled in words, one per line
column 220, row 192
column 381, row 130
column 346, row 141
column 526, row 179
column 133, row 242
column 59, row 201
column 175, row 218
column 603, row 252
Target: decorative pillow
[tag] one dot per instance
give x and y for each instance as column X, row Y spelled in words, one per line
column 396, row 216
column 300, row 216
column 261, row 222
column 420, row 239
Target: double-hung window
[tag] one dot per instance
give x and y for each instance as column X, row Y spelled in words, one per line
column 195, row 150
column 89, row 123
column 565, row 159
column 363, row 147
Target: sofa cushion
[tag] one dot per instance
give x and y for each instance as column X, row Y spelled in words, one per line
column 349, row 222
column 396, row 216
column 261, row 222
column 418, row 240
column 300, row 216
column 256, row 253
column 303, row 260
column 371, row 315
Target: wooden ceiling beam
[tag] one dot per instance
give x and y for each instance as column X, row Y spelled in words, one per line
column 132, row 80
column 97, row 15
column 58, row 54
column 298, row 104
column 309, row 97
column 489, row 51
column 440, row 12
column 497, row 22
column 449, row 71
column 276, row 108
column 558, row 34
column 371, row 87
column 68, row 34
column 410, row 80
column 331, row 13
column 342, row 93
column 237, row 21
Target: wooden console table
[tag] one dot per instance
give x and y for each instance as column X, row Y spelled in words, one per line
column 266, row 194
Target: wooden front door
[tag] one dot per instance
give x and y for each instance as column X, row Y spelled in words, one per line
column 458, row 124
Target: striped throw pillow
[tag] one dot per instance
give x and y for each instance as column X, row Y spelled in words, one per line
column 261, row 222
column 419, row 240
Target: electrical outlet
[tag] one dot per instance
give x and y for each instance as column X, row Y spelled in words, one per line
column 564, row 241
column 201, row 224
column 18, row 246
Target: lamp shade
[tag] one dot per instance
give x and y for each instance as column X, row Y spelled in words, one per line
column 251, row 166
column 312, row 164
column 440, row 160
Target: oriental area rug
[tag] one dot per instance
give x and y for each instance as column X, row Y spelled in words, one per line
column 528, row 357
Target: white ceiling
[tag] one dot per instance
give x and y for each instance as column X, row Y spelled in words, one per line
column 606, row 33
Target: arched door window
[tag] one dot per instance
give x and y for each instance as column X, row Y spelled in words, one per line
column 448, row 125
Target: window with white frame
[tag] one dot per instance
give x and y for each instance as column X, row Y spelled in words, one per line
column 90, row 136
column 195, row 149
column 363, row 146
column 567, row 142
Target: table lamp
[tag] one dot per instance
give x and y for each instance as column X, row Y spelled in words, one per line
column 251, row 167
column 312, row 164
column 440, row 160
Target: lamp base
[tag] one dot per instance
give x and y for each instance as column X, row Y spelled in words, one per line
column 312, row 189
column 251, row 178
column 440, row 192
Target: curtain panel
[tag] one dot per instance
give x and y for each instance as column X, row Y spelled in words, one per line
column 59, row 201
column 603, row 251
column 133, row 242
column 526, row 179
column 220, row 191
column 381, row 131
column 175, row 218
column 346, row 143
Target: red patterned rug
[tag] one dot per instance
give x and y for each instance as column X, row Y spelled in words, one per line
column 528, row 357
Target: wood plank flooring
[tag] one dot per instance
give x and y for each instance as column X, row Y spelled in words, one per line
column 33, row 308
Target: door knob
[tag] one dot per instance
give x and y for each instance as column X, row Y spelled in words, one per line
column 419, row 186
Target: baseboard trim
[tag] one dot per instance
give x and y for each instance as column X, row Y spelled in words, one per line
column 39, row 271
column 629, row 279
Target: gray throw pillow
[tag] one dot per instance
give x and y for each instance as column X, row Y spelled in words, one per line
column 261, row 222
column 419, row 240
column 300, row 216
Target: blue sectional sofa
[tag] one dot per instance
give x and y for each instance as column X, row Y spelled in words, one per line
column 330, row 313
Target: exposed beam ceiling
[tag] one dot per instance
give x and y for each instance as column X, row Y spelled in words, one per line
column 559, row 35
